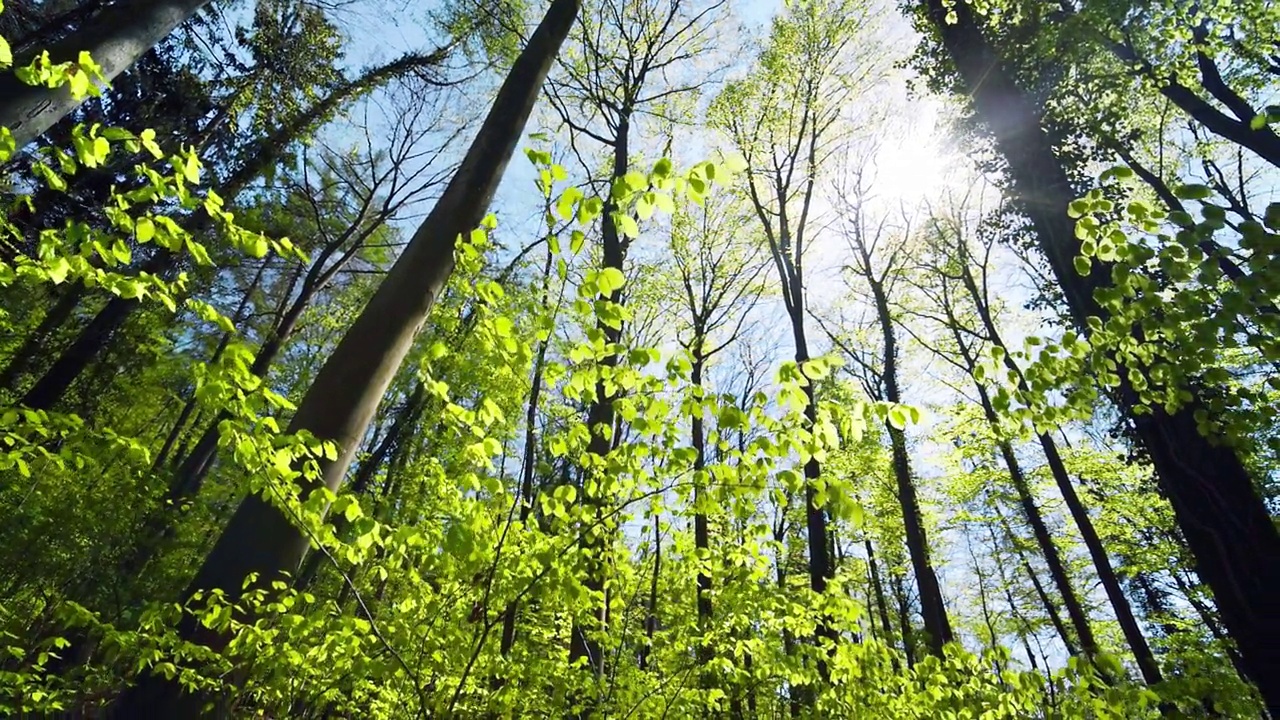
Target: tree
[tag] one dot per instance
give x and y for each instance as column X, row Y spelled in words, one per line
column 784, row 120
column 1224, row 513
column 114, row 40
column 878, row 252
column 261, row 540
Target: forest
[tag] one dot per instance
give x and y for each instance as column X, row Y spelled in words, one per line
column 640, row 359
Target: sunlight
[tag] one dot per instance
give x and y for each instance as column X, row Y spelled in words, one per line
column 912, row 163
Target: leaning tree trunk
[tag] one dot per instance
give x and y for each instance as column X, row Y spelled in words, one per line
column 1057, row 568
column 1228, row 528
column 260, row 539
column 116, row 38
column 1050, row 607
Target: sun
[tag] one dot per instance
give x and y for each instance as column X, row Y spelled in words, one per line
column 912, row 161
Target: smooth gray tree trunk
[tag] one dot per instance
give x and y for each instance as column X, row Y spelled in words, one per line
column 115, row 40
column 341, row 402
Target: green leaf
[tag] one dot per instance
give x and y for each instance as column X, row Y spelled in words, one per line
column 6, row 55
column 576, row 240
column 1083, row 266
column 644, row 206
column 626, row 225
column 635, row 181
column 144, row 229
column 1193, row 192
column 78, row 83
column 121, row 251
column 609, row 280
column 58, row 268
column 257, row 246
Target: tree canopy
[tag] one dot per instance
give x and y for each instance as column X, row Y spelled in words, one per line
column 640, row 358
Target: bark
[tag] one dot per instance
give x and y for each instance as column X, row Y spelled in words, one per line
column 600, row 415
column 936, row 623
column 347, row 390
column 405, row 419
column 529, row 467
column 1228, row 529
column 116, row 38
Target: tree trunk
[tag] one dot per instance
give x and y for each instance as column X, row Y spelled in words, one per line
column 904, row 619
column 600, row 415
column 1227, row 526
column 1057, row 569
column 881, row 605
column 528, row 468
column 821, row 568
column 346, row 392
column 1050, row 607
column 38, row 339
column 651, row 619
column 1120, row 605
column 115, row 39
column 932, row 607
column 701, row 531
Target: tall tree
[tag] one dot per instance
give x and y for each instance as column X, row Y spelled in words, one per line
column 878, row 254
column 1227, row 527
column 260, row 539
column 784, row 120
column 613, row 75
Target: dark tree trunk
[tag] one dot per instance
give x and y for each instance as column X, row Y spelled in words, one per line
column 528, row 468
column 38, row 340
column 601, row 412
column 651, row 619
column 1228, row 529
column 1133, row 634
column 701, row 530
column 881, row 605
column 904, row 619
column 1030, row 511
column 1050, row 607
column 932, row 607
column 260, row 539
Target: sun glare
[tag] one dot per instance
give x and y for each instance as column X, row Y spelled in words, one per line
column 911, row 166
